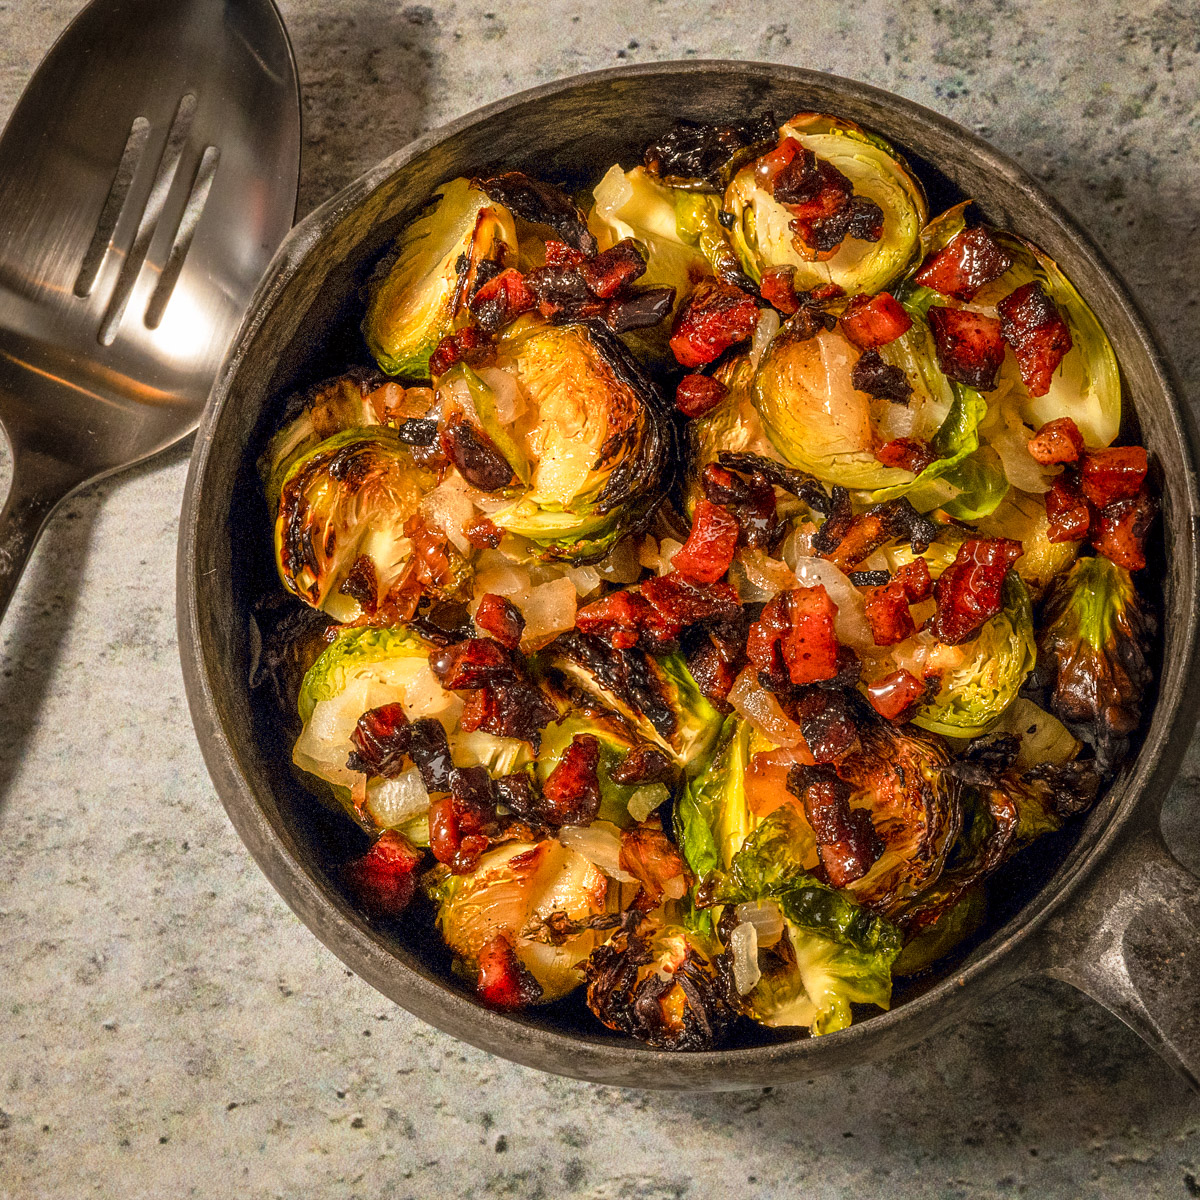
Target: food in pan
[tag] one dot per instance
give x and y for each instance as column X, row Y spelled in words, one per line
column 727, row 707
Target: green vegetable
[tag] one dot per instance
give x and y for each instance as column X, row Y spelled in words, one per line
column 378, row 653
column 761, row 233
column 697, row 217
column 996, row 663
column 484, row 400
column 423, row 296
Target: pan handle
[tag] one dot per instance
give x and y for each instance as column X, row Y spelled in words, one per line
column 1131, row 940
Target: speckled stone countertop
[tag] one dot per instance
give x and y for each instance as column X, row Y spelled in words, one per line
column 168, row 1028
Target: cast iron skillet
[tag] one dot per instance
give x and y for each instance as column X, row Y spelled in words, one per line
column 1118, row 918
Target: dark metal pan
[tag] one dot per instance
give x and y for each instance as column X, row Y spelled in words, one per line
column 1111, row 912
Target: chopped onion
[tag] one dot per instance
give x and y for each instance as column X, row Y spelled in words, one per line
column 675, row 888
column 449, row 509
column 765, row 576
column 743, row 947
column 425, row 697
column 1020, row 467
column 621, row 565
column 393, row 801
column 667, row 549
column 762, row 710
column 600, row 844
column 646, row 799
column 798, row 543
column 612, row 193
column 766, row 918
column 764, row 334
column 585, row 579
column 850, row 623
column 501, row 578
column 549, row 610
column 506, row 392
column 648, row 553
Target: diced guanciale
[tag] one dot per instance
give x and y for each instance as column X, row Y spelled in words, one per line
column 882, row 380
column 501, row 620
column 711, row 544
column 970, row 348
column 470, row 345
column 571, row 793
column 614, row 269
column 846, row 839
column 778, row 289
column 504, row 982
column 915, row 579
column 968, row 591
column 1058, row 441
column 968, row 261
column 653, row 860
column 501, row 300
column 1038, row 334
column 1068, row 513
column 796, row 630
column 381, row 741
column 909, row 453
column 385, row 878
column 751, row 499
column 1120, row 528
column 887, row 613
column 1113, row 474
column 713, row 318
column 896, row 694
column 871, row 322
column 698, row 395
column 475, row 455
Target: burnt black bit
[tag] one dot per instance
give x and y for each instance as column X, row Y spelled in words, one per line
column 1072, row 786
column 430, row 751
column 443, row 622
column 751, row 499
column 911, row 524
column 540, row 203
column 726, row 219
column 417, row 431
column 704, row 157
column 869, row 578
column 805, row 323
column 361, row 584
column 837, row 523
column 643, row 764
column 288, row 637
column 628, row 674
column 487, row 269
column 472, row 787
column 564, row 292
column 829, row 722
column 984, row 761
column 475, row 455
column 640, row 308
column 799, row 483
column 516, row 792
column 879, row 379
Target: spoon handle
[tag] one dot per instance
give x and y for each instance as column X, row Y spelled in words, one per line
column 39, row 482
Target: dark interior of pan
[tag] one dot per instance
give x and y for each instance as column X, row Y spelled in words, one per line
column 307, row 329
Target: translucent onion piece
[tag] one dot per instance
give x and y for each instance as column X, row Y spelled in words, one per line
column 585, row 579
column 798, row 543
column 448, row 508
column 392, row 801
column 667, row 549
column 764, row 333
column 648, row 552
column 1020, row 467
column 621, row 565
column 646, row 799
column 506, row 394
column 501, row 578
column 600, row 844
column 425, row 697
column 765, row 575
column 850, row 623
column 752, row 701
column 743, row 948
column 765, row 917
column 612, row 193
column 549, row 610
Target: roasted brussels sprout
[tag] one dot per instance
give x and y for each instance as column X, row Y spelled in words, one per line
column 518, row 891
column 763, row 234
column 1022, row 517
column 981, row 678
column 595, row 433
column 1094, row 646
column 423, row 295
column 659, row 982
column 344, row 535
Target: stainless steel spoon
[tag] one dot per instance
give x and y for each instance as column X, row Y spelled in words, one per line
column 146, row 177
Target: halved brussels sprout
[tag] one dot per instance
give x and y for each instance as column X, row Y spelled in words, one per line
column 977, row 688
column 514, row 892
column 1022, row 517
column 657, row 696
column 341, row 535
column 761, row 231
column 595, row 433
column 424, row 293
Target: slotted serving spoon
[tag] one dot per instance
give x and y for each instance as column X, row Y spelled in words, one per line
column 146, row 177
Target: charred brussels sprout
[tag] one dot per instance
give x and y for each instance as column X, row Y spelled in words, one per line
column 659, row 982
column 425, row 292
column 1094, row 644
column 344, row 531
column 762, row 227
column 595, row 434
column 982, row 678
column 542, row 898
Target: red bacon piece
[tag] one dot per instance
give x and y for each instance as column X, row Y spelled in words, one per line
column 475, row 455
column 618, row 618
column 502, row 299
column 968, row 591
column 1058, row 441
column 714, row 317
column 559, row 255
column 614, row 269
column 381, row 740
column 968, row 261
column 504, row 982
column 873, row 321
column 470, row 345
column 677, row 603
column 1113, row 474
column 969, row 346
column 779, row 289
column 796, row 629
column 1120, row 528
column 501, row 620
column 710, row 546
column 473, row 663
column 455, row 835
column 483, row 534
column 887, row 613
column 385, row 878
column 698, row 395
column 1068, row 512
column 571, row 793
column 895, row 694
column 1038, row 334
column 915, row 579
column 653, row 860
column 910, row 453
column 846, row 839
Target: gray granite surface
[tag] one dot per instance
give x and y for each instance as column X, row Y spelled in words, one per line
column 168, row 1027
